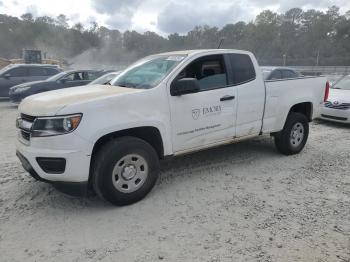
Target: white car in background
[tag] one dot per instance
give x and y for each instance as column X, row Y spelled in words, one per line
column 333, row 78
column 105, row 79
column 337, row 107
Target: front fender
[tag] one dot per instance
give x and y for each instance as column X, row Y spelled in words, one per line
column 120, row 127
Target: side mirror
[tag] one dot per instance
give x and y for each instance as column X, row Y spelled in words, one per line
column 7, row 76
column 184, row 86
column 62, row 81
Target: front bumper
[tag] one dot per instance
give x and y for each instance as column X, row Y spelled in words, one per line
column 335, row 115
column 71, row 148
column 70, row 188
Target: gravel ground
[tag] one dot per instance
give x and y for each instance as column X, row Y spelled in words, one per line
column 242, row 202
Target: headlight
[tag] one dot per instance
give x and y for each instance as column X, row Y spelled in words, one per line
column 22, row 89
column 53, row 126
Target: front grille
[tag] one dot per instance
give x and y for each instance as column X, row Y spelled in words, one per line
column 24, row 132
column 342, row 106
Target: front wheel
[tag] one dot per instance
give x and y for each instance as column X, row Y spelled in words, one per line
column 292, row 139
column 125, row 170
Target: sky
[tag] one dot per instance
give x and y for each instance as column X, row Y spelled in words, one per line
column 161, row 16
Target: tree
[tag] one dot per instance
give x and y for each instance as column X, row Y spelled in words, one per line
column 300, row 35
column 78, row 27
column 266, row 17
column 233, row 34
column 294, row 15
column 27, row 17
column 62, row 20
column 45, row 20
column 176, row 42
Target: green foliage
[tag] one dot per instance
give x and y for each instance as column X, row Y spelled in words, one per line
column 300, row 36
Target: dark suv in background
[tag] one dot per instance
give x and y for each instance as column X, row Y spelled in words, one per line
column 62, row 80
column 15, row 74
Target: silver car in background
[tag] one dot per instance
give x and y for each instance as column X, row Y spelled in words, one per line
column 277, row 73
column 105, row 79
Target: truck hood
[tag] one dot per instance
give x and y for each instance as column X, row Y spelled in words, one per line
column 49, row 103
column 340, row 95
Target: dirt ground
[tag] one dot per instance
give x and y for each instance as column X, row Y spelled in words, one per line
column 242, row 202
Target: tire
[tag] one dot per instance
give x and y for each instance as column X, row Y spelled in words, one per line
column 125, row 170
column 292, row 139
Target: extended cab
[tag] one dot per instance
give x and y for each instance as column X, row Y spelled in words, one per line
column 110, row 138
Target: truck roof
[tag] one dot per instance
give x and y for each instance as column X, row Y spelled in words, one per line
column 199, row 51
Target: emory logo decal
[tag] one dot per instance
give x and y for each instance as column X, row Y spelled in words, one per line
column 206, row 111
column 212, row 110
column 196, row 113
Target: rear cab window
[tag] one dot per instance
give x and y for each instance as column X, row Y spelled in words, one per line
column 242, row 68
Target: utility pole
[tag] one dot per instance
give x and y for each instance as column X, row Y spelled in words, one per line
column 284, row 59
column 318, row 57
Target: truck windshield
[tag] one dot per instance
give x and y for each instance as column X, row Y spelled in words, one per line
column 344, row 83
column 147, row 73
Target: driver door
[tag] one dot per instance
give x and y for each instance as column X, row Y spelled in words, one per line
column 207, row 117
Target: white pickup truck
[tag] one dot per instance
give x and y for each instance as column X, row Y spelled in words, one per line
column 110, row 138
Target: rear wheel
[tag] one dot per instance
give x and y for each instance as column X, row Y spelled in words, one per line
column 125, row 170
column 292, row 139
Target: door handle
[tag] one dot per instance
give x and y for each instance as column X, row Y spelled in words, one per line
column 227, row 98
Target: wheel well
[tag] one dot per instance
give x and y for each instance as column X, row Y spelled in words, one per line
column 149, row 134
column 303, row 108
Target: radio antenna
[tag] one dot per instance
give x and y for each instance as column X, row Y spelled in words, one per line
column 221, row 42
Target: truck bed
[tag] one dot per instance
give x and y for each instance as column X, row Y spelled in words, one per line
column 281, row 95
